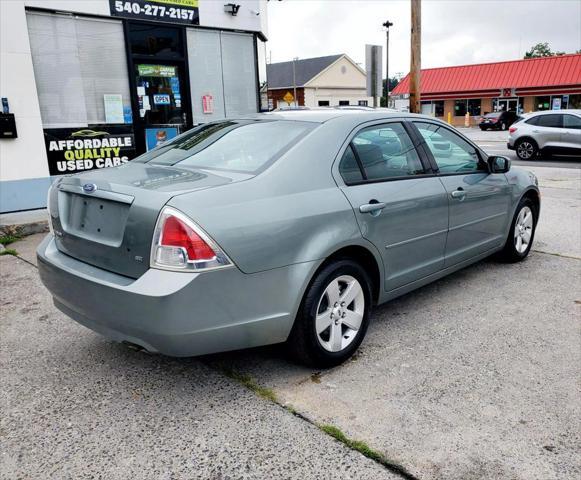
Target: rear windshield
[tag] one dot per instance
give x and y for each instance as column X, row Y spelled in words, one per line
column 237, row 145
column 493, row 115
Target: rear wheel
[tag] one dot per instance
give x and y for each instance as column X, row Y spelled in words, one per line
column 503, row 126
column 522, row 232
column 526, row 149
column 333, row 316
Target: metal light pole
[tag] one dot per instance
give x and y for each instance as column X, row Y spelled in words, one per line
column 295, row 81
column 387, row 24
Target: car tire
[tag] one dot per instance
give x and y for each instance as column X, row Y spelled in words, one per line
column 483, row 129
column 526, row 149
column 322, row 336
column 503, row 126
column 522, row 232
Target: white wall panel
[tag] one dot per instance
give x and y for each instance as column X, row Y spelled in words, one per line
column 240, row 83
column 205, row 62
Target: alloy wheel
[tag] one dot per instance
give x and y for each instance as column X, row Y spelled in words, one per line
column 525, row 150
column 339, row 313
column 523, row 230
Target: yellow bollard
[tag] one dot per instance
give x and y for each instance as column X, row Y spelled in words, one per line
column 450, row 118
column 467, row 119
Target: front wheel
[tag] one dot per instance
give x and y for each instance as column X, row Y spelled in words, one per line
column 333, row 316
column 526, row 149
column 522, row 232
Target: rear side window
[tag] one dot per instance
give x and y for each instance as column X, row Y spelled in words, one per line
column 236, row 145
column 533, row 121
column 571, row 121
column 349, row 168
column 554, row 121
column 383, row 152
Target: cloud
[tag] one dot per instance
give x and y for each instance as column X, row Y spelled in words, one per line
column 454, row 32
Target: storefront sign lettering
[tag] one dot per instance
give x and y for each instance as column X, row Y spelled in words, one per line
column 161, row 99
column 173, row 11
column 71, row 150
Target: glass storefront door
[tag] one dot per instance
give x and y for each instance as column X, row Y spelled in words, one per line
column 507, row 104
column 162, row 113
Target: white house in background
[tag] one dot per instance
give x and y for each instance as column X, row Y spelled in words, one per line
column 322, row 81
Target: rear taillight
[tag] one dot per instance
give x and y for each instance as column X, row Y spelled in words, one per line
column 512, row 129
column 180, row 244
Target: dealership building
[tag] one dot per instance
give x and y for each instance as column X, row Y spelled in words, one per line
column 547, row 83
column 94, row 83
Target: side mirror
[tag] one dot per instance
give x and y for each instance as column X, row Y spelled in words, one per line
column 498, row 164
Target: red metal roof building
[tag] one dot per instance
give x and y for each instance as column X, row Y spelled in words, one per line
column 525, row 85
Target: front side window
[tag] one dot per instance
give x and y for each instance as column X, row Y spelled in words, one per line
column 451, row 152
column 238, row 145
column 571, row 121
column 386, row 151
column 551, row 121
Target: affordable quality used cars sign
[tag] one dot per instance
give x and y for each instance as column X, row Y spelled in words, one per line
column 72, row 150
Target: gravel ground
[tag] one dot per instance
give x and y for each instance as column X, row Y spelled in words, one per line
column 476, row 376
column 77, row 406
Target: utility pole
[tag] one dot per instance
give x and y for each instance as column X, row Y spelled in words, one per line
column 416, row 61
column 387, row 24
column 295, row 81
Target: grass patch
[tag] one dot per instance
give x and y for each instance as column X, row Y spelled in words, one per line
column 250, row 383
column 358, row 445
column 9, row 251
column 8, row 239
column 365, row 449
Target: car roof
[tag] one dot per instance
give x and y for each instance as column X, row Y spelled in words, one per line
column 575, row 111
column 325, row 115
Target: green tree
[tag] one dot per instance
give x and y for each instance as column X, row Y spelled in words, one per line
column 392, row 84
column 541, row 49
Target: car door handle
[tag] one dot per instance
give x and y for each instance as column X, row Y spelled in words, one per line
column 536, row 131
column 459, row 194
column 373, row 207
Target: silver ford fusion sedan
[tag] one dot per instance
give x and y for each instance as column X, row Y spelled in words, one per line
column 282, row 227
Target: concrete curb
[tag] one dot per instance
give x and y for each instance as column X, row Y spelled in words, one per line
column 23, row 223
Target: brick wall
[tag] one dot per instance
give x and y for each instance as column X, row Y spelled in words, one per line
column 276, row 96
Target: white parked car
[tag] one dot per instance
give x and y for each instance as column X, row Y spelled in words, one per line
column 547, row 132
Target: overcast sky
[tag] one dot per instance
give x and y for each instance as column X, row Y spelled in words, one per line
column 454, row 32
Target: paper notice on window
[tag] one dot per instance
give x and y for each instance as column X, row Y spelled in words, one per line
column 140, row 91
column 146, row 104
column 113, row 108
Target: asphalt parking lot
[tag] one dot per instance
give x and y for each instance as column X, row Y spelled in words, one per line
column 476, row 376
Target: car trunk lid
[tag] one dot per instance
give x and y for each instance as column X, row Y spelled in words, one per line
column 106, row 217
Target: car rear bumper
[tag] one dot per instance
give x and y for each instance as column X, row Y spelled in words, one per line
column 175, row 313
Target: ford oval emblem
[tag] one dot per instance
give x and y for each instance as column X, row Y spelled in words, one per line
column 89, row 187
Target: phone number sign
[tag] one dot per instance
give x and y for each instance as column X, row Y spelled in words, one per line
column 172, row 11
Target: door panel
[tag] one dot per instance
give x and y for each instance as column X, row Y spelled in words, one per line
column 399, row 208
column 571, row 132
column 478, row 215
column 410, row 231
column 547, row 130
column 478, row 201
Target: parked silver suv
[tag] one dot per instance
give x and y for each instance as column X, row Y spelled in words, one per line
column 547, row 132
